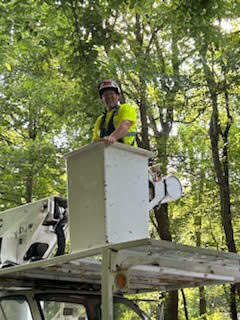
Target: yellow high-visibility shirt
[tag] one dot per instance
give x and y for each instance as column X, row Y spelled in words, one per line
column 125, row 112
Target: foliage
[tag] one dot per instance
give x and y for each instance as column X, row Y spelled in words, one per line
column 169, row 57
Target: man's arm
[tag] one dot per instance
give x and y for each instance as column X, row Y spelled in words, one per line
column 95, row 135
column 118, row 133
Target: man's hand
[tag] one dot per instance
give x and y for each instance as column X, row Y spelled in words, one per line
column 108, row 140
column 119, row 133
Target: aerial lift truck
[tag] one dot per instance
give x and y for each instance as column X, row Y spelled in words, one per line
column 106, row 219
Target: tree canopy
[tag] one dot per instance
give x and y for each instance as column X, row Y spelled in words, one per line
column 177, row 62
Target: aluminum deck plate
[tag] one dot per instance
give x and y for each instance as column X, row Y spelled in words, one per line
column 151, row 265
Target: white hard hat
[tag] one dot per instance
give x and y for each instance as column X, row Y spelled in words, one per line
column 108, row 84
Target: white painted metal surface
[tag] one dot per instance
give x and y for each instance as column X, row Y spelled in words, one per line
column 165, row 190
column 23, row 226
column 173, row 188
column 107, row 194
column 151, row 265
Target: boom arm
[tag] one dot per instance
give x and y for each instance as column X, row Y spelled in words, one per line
column 31, row 232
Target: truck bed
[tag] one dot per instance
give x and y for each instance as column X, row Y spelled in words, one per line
column 150, row 265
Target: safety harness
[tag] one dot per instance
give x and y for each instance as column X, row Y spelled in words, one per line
column 110, row 128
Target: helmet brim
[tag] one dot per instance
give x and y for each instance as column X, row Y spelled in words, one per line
column 108, row 88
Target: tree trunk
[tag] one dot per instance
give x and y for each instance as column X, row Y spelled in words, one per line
column 29, row 187
column 222, row 178
column 202, row 303
column 202, row 298
column 171, row 309
column 162, row 218
column 198, row 234
column 161, row 215
column 32, row 134
column 233, row 304
column 221, row 165
column 143, row 114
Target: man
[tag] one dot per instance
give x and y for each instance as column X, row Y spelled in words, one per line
column 118, row 122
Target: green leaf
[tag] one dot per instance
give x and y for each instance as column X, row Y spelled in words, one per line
column 7, row 65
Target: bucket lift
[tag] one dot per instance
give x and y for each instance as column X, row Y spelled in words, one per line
column 109, row 201
column 109, row 196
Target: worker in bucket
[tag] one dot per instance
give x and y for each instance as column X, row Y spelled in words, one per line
column 118, row 121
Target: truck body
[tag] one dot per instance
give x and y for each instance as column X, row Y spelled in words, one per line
column 111, row 255
column 87, row 280
column 63, row 304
